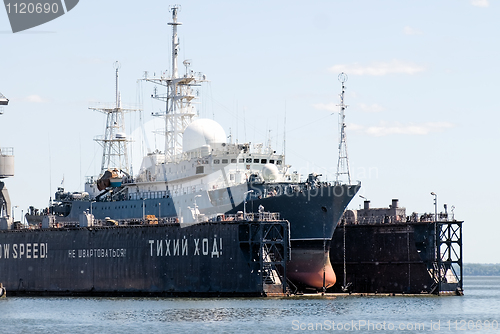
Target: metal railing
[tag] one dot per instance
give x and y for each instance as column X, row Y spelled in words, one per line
column 396, row 219
column 262, row 216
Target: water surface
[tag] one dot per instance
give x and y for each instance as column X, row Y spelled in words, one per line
column 473, row 312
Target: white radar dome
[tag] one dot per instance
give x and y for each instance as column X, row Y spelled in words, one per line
column 202, row 132
column 270, row 173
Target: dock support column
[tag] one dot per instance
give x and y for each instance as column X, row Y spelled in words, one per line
column 448, row 266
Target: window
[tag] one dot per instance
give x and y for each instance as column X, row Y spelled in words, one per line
column 233, row 161
column 216, row 161
column 224, row 161
column 249, row 160
column 256, row 161
column 200, row 169
column 263, row 161
column 271, row 161
column 242, row 160
column 278, row 162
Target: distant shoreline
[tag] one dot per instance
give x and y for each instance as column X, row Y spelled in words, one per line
column 481, row 269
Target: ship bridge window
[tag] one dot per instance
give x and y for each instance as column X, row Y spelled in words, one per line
column 242, row 160
column 263, row 161
column 256, row 161
column 233, row 161
column 224, row 161
column 249, row 160
column 271, row 161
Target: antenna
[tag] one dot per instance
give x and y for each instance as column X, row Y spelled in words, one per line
column 186, row 64
column 269, row 146
column 114, row 143
column 343, row 162
column 175, row 40
column 179, row 105
column 117, row 67
column 284, row 137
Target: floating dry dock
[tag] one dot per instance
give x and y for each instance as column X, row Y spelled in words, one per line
column 229, row 257
column 382, row 250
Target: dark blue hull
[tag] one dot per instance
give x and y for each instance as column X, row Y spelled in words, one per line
column 313, row 213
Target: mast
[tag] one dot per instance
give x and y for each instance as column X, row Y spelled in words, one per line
column 114, row 143
column 175, row 40
column 343, row 162
column 179, row 97
column 117, row 66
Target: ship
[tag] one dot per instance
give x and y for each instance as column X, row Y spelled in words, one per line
column 200, row 176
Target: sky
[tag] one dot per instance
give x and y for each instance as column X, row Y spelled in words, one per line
column 422, row 116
